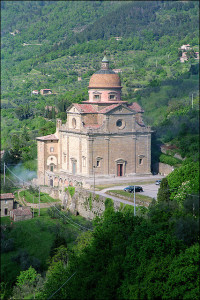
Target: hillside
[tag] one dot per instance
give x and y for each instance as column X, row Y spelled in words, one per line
column 49, row 44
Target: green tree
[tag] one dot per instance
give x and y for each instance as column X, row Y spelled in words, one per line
column 183, row 278
column 29, row 283
column 163, row 192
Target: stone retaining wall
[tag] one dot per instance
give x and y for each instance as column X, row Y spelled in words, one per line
column 163, row 169
column 84, row 202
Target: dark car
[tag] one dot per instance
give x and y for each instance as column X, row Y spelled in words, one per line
column 130, row 189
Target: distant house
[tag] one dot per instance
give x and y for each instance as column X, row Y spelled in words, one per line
column 79, row 78
column 186, row 47
column 35, row 92
column 21, row 213
column 183, row 58
column 45, row 91
column 117, row 70
column 14, row 32
column 7, row 204
column 118, row 38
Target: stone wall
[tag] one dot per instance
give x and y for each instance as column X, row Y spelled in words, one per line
column 163, row 169
column 83, row 202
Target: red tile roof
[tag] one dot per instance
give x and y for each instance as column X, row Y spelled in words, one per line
column 22, row 211
column 136, row 107
column 85, row 108
column 89, row 108
column 108, row 108
column 6, row 196
column 48, row 137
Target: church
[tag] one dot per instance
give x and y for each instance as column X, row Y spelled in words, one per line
column 104, row 135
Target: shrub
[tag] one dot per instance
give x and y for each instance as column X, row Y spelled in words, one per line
column 7, row 245
column 169, row 160
column 53, row 211
column 25, row 261
column 71, row 190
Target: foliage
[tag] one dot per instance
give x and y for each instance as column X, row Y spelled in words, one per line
column 164, row 191
column 167, row 159
column 186, row 173
column 28, row 284
column 53, row 211
column 182, row 282
column 25, row 277
column 71, row 190
column 25, row 260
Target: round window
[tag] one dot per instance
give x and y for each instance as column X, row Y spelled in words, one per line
column 120, row 124
column 74, row 123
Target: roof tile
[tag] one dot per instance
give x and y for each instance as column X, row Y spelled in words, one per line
column 136, row 107
column 6, row 196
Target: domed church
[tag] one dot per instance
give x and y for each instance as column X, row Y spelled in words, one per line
column 104, row 135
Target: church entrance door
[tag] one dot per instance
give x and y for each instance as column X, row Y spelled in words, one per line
column 120, row 170
column 51, row 182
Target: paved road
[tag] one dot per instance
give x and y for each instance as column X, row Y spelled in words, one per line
column 150, row 190
column 123, row 179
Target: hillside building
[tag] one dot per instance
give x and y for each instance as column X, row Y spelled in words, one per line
column 7, row 204
column 45, row 91
column 103, row 134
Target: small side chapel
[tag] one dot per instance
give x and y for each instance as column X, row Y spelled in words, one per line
column 104, row 135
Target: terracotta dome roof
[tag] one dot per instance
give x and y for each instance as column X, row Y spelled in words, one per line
column 105, row 78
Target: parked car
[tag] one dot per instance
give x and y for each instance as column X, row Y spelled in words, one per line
column 158, row 182
column 130, row 189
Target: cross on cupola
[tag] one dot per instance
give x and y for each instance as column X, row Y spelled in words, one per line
column 105, row 62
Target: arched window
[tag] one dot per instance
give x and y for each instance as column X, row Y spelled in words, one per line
column 74, row 123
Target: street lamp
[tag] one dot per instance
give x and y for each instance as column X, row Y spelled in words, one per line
column 94, row 178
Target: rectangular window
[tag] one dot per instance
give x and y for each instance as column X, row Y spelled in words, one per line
column 51, row 149
column 96, row 97
column 51, row 168
column 6, row 201
column 5, row 211
column 98, row 163
column 140, row 161
column 112, row 97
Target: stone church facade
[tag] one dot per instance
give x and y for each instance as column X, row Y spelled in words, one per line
column 104, row 135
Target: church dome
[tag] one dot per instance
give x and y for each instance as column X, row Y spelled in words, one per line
column 105, row 78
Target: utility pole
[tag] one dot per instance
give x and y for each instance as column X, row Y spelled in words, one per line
column 192, row 101
column 33, row 206
column 94, row 179
column 39, row 203
column 4, row 173
column 134, row 200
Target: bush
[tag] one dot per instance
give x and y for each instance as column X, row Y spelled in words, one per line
column 53, row 211
column 169, row 160
column 7, row 245
column 25, row 261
